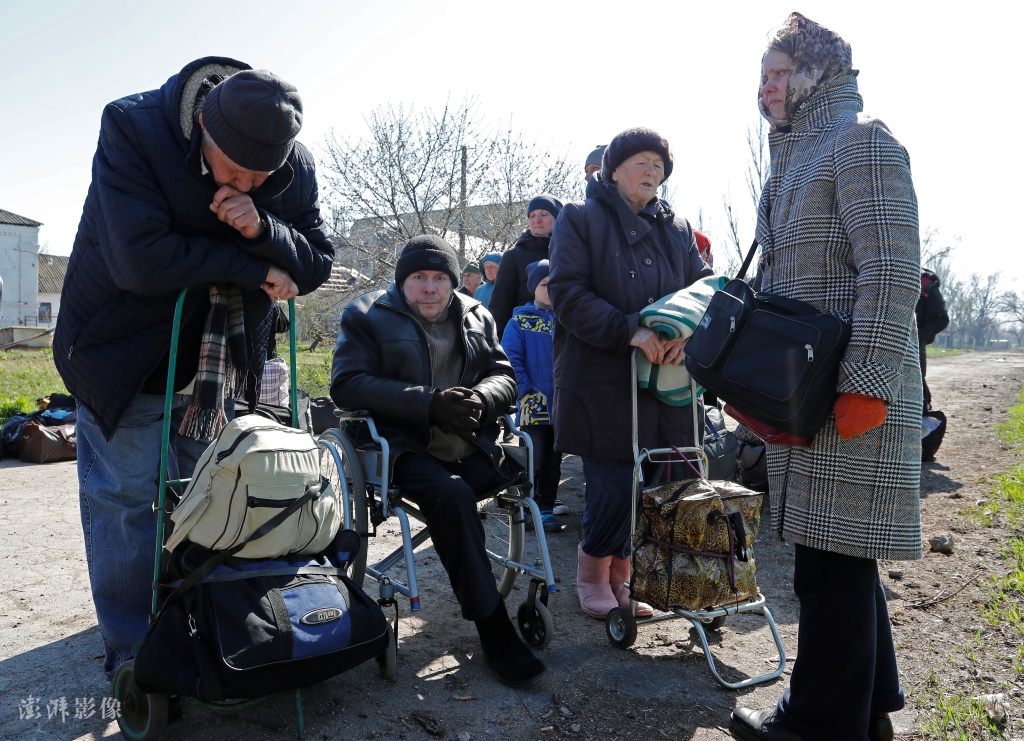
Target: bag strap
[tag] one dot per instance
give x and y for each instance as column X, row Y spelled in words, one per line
column 746, row 262
column 209, row 565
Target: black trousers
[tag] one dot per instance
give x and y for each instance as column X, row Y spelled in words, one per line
column 845, row 667
column 447, row 494
column 547, row 465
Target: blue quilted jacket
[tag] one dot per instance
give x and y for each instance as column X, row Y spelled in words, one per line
column 147, row 232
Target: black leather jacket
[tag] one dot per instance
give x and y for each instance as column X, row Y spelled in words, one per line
column 382, row 365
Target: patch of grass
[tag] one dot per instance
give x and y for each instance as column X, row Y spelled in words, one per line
column 933, row 351
column 313, row 368
column 26, row 375
column 956, row 715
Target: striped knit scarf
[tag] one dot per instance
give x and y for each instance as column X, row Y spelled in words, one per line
column 222, row 362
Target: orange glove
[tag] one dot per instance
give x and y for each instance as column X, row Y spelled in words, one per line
column 857, row 413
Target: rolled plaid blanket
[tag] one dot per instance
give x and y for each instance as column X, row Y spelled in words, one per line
column 674, row 317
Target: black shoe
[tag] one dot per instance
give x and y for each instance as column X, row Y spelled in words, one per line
column 880, row 728
column 758, row 725
column 511, row 660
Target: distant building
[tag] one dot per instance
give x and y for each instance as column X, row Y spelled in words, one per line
column 489, row 228
column 19, row 250
column 52, row 269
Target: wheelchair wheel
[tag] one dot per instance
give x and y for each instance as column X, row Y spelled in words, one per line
column 535, row 624
column 143, row 716
column 340, row 464
column 504, row 531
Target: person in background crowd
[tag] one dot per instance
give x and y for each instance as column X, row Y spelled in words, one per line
column 838, row 228
column 593, row 163
column 200, row 184
column 527, row 340
column 532, row 245
column 470, row 279
column 932, row 318
column 704, row 248
column 402, row 355
column 612, row 255
column 489, row 267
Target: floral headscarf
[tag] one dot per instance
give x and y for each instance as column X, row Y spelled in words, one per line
column 818, row 56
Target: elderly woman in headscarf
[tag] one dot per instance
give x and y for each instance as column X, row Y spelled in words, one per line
column 612, row 255
column 838, row 228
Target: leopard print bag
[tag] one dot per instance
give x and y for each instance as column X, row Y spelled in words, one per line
column 693, row 545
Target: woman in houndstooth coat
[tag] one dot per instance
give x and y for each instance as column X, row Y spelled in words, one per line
column 838, row 228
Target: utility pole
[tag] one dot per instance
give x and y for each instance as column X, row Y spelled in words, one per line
column 462, row 212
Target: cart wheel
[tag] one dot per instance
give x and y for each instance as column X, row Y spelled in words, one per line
column 621, row 627
column 535, row 624
column 388, row 660
column 143, row 716
column 714, row 623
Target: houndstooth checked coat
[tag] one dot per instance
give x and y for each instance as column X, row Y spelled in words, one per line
column 838, row 228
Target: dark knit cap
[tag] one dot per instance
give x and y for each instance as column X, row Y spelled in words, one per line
column 427, row 252
column 545, row 201
column 634, row 141
column 594, row 158
column 535, row 273
column 471, row 267
column 254, row 117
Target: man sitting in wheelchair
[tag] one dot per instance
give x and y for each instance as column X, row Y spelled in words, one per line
column 425, row 362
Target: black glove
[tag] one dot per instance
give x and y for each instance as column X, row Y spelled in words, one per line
column 456, row 409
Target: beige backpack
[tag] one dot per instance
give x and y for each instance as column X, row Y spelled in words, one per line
column 253, row 470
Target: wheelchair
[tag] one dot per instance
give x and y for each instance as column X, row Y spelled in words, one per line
column 361, row 475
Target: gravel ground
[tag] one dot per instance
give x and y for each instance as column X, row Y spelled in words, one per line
column 51, row 684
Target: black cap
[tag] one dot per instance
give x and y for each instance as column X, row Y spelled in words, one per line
column 253, row 117
column 427, row 252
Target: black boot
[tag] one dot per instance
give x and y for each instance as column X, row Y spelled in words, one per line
column 509, row 658
column 880, row 728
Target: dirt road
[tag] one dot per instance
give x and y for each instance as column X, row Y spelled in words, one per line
column 51, row 684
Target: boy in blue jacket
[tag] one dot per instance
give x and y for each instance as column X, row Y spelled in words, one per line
column 527, row 341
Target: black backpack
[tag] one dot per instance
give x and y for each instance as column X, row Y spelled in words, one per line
column 250, row 628
column 751, row 454
column 933, row 439
column 719, row 446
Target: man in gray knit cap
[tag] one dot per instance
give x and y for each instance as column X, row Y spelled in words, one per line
column 403, row 355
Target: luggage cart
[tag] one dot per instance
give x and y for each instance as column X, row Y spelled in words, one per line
column 621, row 624
column 145, row 715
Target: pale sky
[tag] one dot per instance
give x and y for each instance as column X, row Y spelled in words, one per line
column 572, row 74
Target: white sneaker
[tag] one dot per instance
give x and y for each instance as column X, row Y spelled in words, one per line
column 560, row 508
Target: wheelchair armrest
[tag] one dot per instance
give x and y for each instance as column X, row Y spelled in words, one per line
column 345, row 415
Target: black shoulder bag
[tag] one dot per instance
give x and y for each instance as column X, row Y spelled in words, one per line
column 773, row 358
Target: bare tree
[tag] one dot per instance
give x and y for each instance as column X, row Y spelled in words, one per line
column 403, row 180
column 406, row 178
column 515, row 170
column 973, row 305
column 756, row 175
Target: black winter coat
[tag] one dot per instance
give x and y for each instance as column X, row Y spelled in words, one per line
column 607, row 263
column 382, row 365
column 510, row 291
column 147, row 232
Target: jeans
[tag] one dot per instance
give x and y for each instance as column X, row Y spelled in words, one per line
column 547, row 465
column 845, row 669
column 118, row 486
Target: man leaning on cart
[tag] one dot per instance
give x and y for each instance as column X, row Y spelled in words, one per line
column 198, row 184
